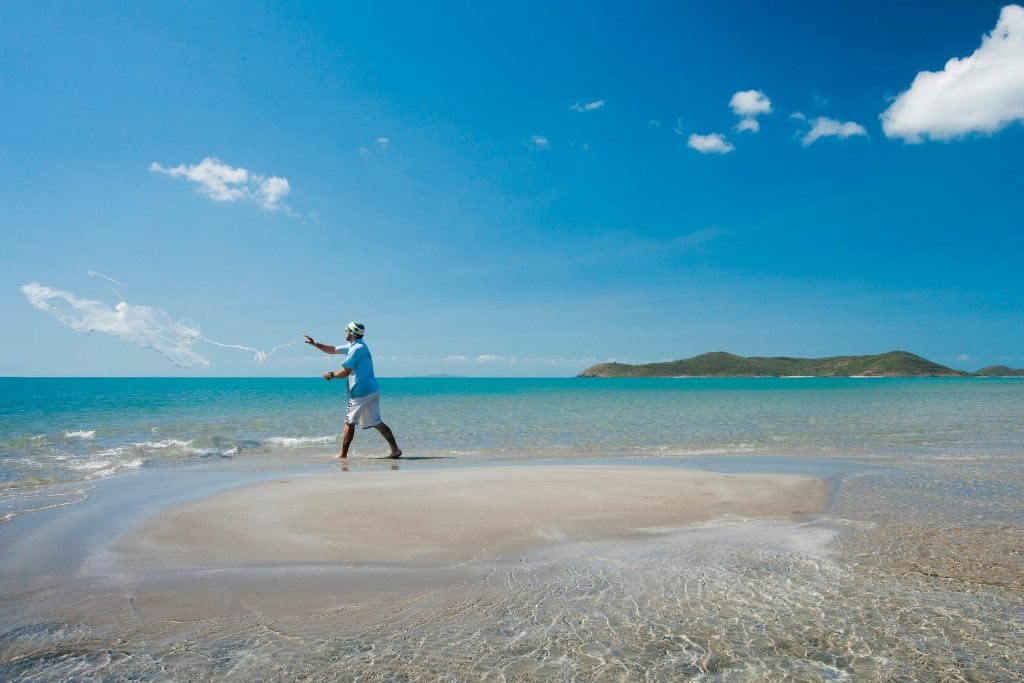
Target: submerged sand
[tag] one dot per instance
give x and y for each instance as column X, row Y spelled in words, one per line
column 440, row 518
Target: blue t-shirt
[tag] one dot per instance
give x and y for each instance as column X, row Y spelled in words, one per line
column 362, row 381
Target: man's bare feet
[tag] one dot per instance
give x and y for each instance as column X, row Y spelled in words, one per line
column 395, row 455
column 341, row 456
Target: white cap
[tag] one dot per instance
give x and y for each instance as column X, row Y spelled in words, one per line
column 355, row 328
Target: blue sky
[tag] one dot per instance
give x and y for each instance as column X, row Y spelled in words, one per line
column 507, row 188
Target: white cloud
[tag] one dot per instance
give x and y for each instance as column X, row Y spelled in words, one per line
column 271, row 191
column 748, row 124
column 220, row 182
column 654, row 123
column 982, row 93
column 712, row 143
column 539, row 142
column 590, row 106
column 224, row 183
column 823, row 127
column 150, row 328
column 749, row 104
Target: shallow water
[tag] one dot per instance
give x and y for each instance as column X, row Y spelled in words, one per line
column 737, row 600
column 68, row 430
column 915, row 572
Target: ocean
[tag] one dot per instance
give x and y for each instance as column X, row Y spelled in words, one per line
column 915, row 571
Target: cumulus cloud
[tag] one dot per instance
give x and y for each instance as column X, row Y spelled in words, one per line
column 823, row 127
column 589, row 106
column 748, row 124
column 748, row 105
column 713, row 143
column 539, row 142
column 150, row 328
column 982, row 93
column 271, row 191
column 224, row 183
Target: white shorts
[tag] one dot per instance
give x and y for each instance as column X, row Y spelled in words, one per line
column 364, row 411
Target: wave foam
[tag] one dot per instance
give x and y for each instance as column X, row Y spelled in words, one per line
column 167, row 443
column 180, row 445
column 81, row 434
column 104, row 468
column 296, row 441
column 222, row 452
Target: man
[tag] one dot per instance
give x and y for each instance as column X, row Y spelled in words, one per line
column 363, row 389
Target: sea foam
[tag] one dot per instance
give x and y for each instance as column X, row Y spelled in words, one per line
column 298, row 441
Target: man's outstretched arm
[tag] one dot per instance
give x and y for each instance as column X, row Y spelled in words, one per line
column 326, row 348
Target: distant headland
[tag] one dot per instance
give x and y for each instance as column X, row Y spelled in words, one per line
column 722, row 364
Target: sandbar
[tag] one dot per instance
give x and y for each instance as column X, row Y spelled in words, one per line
column 446, row 517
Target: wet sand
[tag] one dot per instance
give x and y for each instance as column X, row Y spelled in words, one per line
column 353, row 549
column 444, row 518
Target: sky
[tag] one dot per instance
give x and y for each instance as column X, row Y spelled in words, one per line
column 507, row 188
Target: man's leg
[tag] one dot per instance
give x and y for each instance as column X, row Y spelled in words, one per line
column 389, row 436
column 346, row 440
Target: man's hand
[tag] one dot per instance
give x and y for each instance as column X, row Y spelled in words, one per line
column 328, row 376
column 309, row 340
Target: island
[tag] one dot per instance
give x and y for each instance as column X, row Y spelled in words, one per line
column 999, row 371
column 722, row 364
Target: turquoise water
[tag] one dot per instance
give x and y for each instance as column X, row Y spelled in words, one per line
column 63, row 431
column 66, row 429
column 914, row 572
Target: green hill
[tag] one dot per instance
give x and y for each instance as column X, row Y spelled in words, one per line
column 1000, row 371
column 721, row 364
